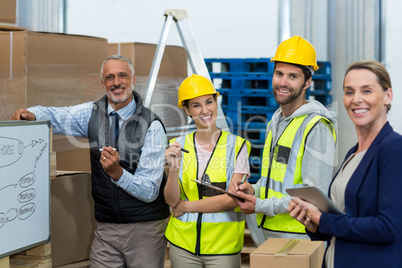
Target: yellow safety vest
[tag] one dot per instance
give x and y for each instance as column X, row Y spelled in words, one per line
column 208, row 233
column 282, row 164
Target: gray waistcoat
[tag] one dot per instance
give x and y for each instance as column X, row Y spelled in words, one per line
column 113, row 204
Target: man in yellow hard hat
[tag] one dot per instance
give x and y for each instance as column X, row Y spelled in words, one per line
column 299, row 148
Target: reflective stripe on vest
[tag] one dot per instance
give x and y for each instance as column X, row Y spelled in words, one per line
column 283, row 165
column 208, row 233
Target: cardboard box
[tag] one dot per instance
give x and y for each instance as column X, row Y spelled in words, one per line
column 74, row 160
column 48, row 69
column 8, row 11
column 72, row 218
column 174, row 61
column 302, row 254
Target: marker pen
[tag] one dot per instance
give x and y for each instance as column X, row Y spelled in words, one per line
column 184, row 150
column 101, row 150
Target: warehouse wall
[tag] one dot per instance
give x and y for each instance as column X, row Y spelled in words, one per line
column 41, row 15
column 358, row 30
column 309, row 19
column 344, row 31
column 351, row 34
column 393, row 57
column 224, row 28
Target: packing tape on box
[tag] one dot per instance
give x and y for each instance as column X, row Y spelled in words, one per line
column 288, row 247
column 11, row 54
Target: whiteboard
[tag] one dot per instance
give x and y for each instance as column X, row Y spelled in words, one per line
column 24, row 185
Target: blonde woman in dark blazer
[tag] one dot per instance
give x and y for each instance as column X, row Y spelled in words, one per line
column 368, row 186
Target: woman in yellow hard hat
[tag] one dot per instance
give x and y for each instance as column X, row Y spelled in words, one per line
column 206, row 228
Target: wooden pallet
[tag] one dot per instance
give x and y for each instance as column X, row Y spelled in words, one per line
column 5, row 262
column 38, row 257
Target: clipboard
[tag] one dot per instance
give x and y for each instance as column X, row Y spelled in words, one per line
column 207, row 184
column 315, row 196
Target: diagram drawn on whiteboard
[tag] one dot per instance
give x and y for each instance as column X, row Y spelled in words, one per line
column 11, row 150
column 24, row 185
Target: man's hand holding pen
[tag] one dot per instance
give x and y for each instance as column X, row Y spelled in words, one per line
column 241, row 182
column 243, row 186
column 245, row 191
column 109, row 160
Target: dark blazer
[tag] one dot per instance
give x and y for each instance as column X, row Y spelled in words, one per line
column 370, row 233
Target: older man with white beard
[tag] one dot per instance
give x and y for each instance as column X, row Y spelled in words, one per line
column 127, row 144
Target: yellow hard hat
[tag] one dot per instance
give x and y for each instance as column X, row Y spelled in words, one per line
column 195, row 86
column 298, row 51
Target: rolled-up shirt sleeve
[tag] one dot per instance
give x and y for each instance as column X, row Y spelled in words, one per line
column 145, row 183
column 72, row 120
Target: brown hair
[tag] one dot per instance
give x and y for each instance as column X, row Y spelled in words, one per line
column 375, row 67
column 187, row 102
column 307, row 70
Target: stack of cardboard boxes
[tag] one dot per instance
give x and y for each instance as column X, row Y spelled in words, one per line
column 55, row 70
column 51, row 69
column 8, row 11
